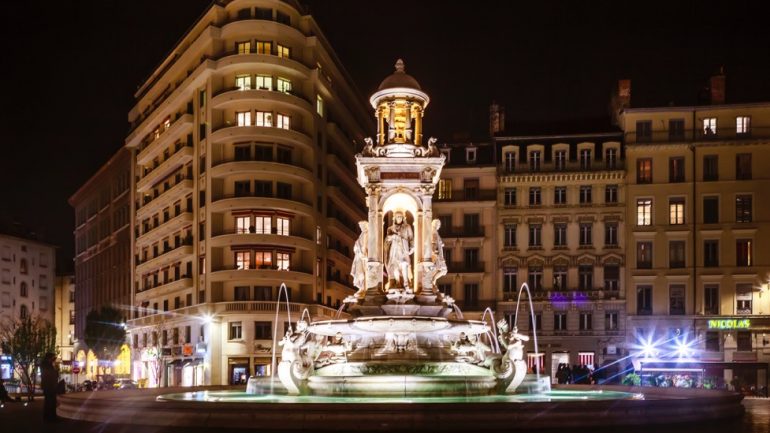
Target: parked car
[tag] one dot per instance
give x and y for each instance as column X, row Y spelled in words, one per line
column 125, row 384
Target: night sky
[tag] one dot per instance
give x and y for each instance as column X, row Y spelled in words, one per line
column 70, row 68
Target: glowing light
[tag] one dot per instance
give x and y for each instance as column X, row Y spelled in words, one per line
column 400, row 201
column 648, row 350
column 207, row 318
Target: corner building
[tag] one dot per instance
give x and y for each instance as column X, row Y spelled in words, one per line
column 243, row 141
column 699, row 240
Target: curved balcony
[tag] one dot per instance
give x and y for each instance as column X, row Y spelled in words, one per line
column 339, row 257
column 255, row 28
column 260, row 133
column 171, row 256
column 230, row 238
column 163, row 289
column 333, row 224
column 168, row 196
column 230, row 203
column 315, row 310
column 295, row 275
column 182, row 125
column 235, row 97
column 165, row 228
column 182, row 156
column 279, row 170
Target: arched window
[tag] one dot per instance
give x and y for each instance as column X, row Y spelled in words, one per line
column 23, row 311
column 23, row 266
column 23, row 289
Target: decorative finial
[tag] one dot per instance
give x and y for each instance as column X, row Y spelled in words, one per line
column 399, row 65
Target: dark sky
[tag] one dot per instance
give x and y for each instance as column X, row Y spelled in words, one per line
column 70, row 68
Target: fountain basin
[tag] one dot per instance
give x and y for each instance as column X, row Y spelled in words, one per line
column 378, row 325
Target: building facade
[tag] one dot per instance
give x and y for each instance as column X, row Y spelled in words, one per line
column 698, row 239
column 64, row 317
column 102, row 249
column 560, row 219
column 243, row 142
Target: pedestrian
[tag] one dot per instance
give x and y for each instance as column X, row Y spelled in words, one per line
column 49, row 380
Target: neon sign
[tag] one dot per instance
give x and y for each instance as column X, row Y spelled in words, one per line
column 730, row 324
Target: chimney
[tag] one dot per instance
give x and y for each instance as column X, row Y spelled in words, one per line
column 717, row 86
column 496, row 119
column 620, row 100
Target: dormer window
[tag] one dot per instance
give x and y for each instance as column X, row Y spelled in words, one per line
column 470, row 155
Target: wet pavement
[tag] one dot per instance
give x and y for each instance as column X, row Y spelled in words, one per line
column 18, row 418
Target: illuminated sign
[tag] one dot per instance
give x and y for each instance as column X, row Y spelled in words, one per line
column 730, row 324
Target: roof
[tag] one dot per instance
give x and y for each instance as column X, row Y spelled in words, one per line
column 575, row 128
column 399, row 79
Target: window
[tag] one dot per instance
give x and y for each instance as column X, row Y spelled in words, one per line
column 243, row 47
column 743, row 298
column 559, row 321
column 242, row 188
column 611, row 277
column 560, row 235
column 23, row 291
column 585, row 194
column 710, row 210
column 676, row 129
column 644, row 131
column 242, row 260
column 283, row 85
column 535, row 235
column 509, row 282
column 263, row 259
column 710, row 168
column 743, row 341
column 264, row 47
column 319, row 105
column 283, row 51
column 446, row 223
column 586, row 238
column 560, row 277
column 676, row 299
column 676, row 211
column 676, row 169
column 263, row 330
column 743, row 166
column 585, row 321
column 510, row 161
column 712, row 341
column 242, row 293
column 471, row 223
column 560, row 195
column 509, row 235
column 242, row 153
column 242, row 224
column 263, row 188
column 470, row 155
column 283, row 190
column 585, row 277
column 282, row 226
column 471, row 189
column 538, row 325
column 710, row 126
column 534, row 160
column 711, row 253
column 445, row 189
column 711, row 299
column 560, row 160
column 611, row 194
column 283, row 121
column 282, row 18
column 264, row 118
column 585, row 159
column 742, row 125
column 471, row 294
column 743, row 252
column 243, row 118
column 534, row 196
column 509, row 197
column 644, row 212
column 243, row 82
column 264, row 82
column 644, row 170
column 263, row 293
column 283, row 261
column 743, row 208
column 644, row 255
column 611, row 158
column 644, row 300
column 263, row 153
column 244, row 14
column 676, row 254
column 610, row 234
column 535, row 277
column 23, row 312
column 263, row 13
column 262, row 225
column 236, row 331
column 611, row 321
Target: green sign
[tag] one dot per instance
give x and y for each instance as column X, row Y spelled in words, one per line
column 730, row 324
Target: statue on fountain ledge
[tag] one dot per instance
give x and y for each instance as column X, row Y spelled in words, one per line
column 470, row 351
column 296, row 361
column 334, row 352
column 398, row 247
column 360, row 251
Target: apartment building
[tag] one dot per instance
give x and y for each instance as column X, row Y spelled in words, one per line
column 560, row 218
column 64, row 317
column 698, row 239
column 244, row 141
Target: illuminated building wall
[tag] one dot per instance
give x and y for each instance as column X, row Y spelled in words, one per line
column 27, row 274
column 243, row 147
column 64, row 316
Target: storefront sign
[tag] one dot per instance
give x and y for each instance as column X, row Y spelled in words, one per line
column 730, row 324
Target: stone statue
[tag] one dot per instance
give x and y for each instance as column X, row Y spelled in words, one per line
column 437, row 255
column 399, row 246
column 360, row 252
column 467, row 350
column 334, row 352
column 293, row 342
column 512, row 341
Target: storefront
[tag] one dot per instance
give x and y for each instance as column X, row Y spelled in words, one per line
column 238, row 371
column 750, row 378
column 6, row 367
